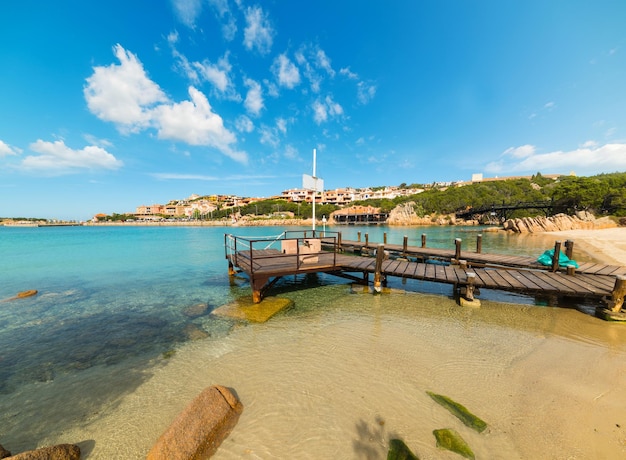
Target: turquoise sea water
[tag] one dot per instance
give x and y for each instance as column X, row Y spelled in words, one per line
column 116, row 296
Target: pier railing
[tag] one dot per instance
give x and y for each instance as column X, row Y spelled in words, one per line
column 299, row 249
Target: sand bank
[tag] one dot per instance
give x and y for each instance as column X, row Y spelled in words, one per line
column 607, row 245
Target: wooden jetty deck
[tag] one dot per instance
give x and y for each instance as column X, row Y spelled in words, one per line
column 266, row 261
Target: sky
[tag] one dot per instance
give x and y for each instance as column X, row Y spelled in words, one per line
column 106, row 106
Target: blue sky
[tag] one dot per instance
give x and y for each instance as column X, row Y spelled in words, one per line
column 105, row 106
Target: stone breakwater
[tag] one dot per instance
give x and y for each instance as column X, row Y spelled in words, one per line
column 560, row 222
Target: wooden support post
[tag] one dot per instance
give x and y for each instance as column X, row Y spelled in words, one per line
column 367, row 239
column 463, row 264
column 339, row 241
column 457, row 250
column 380, row 256
column 423, row 240
column 569, row 248
column 358, row 237
column 405, row 243
column 231, row 269
column 616, row 302
column 469, row 288
column 385, row 237
column 479, row 243
column 571, row 270
column 556, row 256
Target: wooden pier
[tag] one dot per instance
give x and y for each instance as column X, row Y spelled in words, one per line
column 265, row 261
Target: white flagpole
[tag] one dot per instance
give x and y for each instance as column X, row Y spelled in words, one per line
column 314, row 190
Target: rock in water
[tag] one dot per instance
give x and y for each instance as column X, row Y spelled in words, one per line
column 459, row 411
column 398, row 450
column 449, row 439
column 196, row 310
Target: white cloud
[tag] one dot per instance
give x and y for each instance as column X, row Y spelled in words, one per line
column 6, row 150
column 57, row 158
column 224, row 14
column 187, row 11
column 219, row 76
column 126, row 96
column 291, row 152
column 323, row 62
column 244, row 124
column 348, row 73
column 123, row 94
column 254, row 98
column 365, row 92
column 323, row 109
column 195, row 123
column 269, row 136
column 320, row 113
column 258, row 33
column 520, row 152
column 588, row 159
column 286, row 72
column 281, row 125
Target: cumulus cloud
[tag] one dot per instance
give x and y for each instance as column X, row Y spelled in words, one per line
column 6, row 150
column 258, row 33
column 589, row 159
column 314, row 60
column 58, row 158
column 195, row 123
column 187, row 11
column 218, row 75
column 123, row 94
column 254, row 98
column 286, row 72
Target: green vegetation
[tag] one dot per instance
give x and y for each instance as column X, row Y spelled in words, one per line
column 398, row 450
column 601, row 194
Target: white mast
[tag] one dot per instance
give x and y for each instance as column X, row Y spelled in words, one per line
column 314, row 189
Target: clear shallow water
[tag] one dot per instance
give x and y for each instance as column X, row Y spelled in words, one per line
column 112, row 301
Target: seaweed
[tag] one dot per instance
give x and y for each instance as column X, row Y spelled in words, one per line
column 449, row 439
column 460, row 412
column 398, row 450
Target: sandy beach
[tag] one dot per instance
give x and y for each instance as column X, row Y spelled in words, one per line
column 607, row 245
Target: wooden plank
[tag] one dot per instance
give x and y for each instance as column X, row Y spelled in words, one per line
column 429, row 272
column 499, row 279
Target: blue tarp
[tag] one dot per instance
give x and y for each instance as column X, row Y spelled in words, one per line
column 564, row 261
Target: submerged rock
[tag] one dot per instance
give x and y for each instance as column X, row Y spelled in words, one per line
column 451, row 440
column 196, row 310
column 244, row 308
column 194, row 332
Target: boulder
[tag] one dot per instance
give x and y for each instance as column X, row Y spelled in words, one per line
column 581, row 221
column 200, row 428
column 58, row 452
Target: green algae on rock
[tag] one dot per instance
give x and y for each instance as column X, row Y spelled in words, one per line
column 450, row 439
column 398, row 450
column 459, row 411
